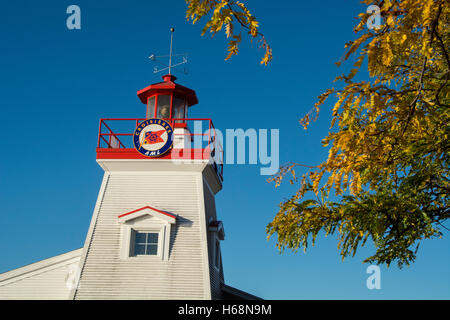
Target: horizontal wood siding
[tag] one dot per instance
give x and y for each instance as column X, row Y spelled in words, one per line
column 40, row 283
column 105, row 276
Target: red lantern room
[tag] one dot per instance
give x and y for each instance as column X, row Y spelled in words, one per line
column 168, row 100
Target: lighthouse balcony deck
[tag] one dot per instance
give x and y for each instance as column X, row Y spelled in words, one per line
column 115, row 141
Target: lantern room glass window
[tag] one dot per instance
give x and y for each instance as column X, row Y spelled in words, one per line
column 163, row 108
column 178, row 109
column 150, row 107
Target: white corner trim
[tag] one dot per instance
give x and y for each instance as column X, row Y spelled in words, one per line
column 90, row 232
column 204, row 239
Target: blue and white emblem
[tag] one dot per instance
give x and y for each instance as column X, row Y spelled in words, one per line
column 153, row 137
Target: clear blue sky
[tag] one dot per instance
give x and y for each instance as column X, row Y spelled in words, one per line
column 55, row 85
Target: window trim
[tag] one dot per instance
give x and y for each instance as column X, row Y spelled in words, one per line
column 160, row 223
column 128, row 241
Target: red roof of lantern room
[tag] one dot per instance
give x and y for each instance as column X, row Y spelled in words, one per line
column 168, row 86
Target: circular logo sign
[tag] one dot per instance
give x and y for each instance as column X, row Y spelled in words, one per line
column 153, row 137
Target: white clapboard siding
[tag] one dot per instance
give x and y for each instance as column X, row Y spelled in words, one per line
column 183, row 276
column 44, row 280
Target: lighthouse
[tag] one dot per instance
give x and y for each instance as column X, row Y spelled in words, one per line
column 154, row 232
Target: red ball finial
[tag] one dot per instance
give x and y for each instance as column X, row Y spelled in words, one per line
column 169, row 77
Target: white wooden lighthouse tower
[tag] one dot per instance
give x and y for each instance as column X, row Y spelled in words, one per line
column 154, row 232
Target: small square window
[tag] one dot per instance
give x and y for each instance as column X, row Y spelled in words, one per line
column 146, row 243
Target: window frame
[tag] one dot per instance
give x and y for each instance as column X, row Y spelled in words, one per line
column 148, row 113
column 146, row 243
column 128, row 241
column 184, row 114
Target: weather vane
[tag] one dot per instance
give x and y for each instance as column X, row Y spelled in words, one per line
column 171, row 66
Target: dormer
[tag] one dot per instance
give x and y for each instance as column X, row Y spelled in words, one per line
column 145, row 234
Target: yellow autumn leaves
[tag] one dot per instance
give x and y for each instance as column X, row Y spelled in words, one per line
column 366, row 111
column 225, row 15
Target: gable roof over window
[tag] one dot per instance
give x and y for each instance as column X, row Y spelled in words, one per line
column 147, row 210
